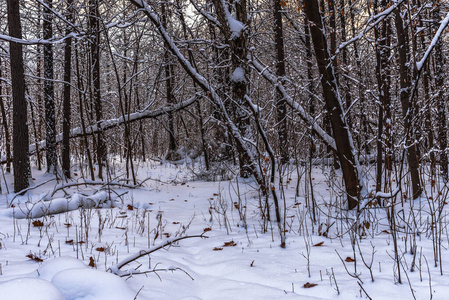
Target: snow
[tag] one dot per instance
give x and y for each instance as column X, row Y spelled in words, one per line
column 90, row 284
column 238, row 75
column 173, row 203
column 29, row 289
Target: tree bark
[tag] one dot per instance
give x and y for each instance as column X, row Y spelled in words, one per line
column 95, row 56
column 169, row 85
column 5, row 124
column 21, row 161
column 281, row 107
column 342, row 135
column 66, row 96
column 441, row 102
column 49, row 95
column 407, row 107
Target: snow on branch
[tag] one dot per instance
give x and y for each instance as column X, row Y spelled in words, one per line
column 370, row 24
column 11, row 39
column 112, row 123
column 29, row 210
column 310, row 121
column 443, row 25
column 116, row 268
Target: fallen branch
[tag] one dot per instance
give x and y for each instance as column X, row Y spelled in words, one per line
column 116, row 268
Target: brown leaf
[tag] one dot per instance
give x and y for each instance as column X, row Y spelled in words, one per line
column 349, row 259
column 230, row 244
column 319, row 244
column 100, row 249
column 38, row 223
column 367, row 224
column 217, row 249
column 207, row 229
column 130, row 207
column 91, row 262
column 69, row 242
column 252, row 264
column 309, row 285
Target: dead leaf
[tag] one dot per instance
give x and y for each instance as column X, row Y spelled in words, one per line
column 217, row 249
column 230, row 244
column 38, row 223
column 309, row 285
column 349, row 259
column 91, row 262
column 319, row 244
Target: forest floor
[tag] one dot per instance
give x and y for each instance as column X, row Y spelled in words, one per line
column 336, row 256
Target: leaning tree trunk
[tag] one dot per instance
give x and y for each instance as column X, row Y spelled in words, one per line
column 21, row 161
column 342, row 135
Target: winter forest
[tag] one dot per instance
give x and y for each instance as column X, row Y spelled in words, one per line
column 224, row 149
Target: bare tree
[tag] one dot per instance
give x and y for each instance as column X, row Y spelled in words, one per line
column 21, row 161
column 342, row 135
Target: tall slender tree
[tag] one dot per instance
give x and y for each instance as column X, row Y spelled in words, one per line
column 66, row 95
column 94, row 25
column 408, row 109
column 281, row 107
column 49, row 97
column 21, row 161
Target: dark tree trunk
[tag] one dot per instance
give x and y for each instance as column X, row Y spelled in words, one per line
column 383, row 122
column 95, row 56
column 441, row 102
column 169, row 85
column 21, row 161
column 342, row 136
column 49, row 95
column 238, row 43
column 281, row 107
column 5, row 124
column 66, row 97
column 407, row 107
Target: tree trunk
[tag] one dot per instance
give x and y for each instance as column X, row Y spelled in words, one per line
column 66, row 96
column 238, row 42
column 169, row 85
column 407, row 107
column 21, row 161
column 5, row 124
column 281, row 107
column 49, row 95
column 95, row 56
column 441, row 102
column 342, row 135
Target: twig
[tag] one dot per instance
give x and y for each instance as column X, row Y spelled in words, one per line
column 360, row 285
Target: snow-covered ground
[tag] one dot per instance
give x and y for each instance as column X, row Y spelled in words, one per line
column 70, row 255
